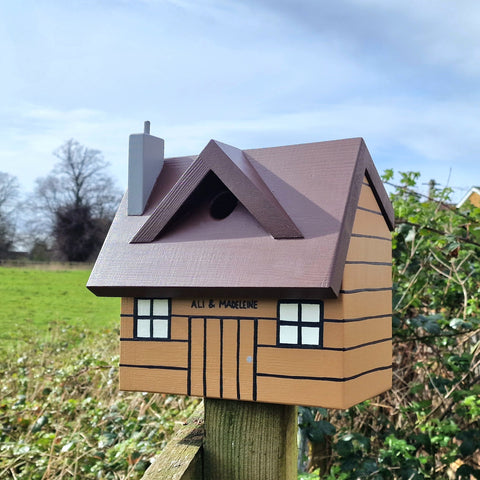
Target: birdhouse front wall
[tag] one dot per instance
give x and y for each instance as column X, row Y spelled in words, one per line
column 328, row 352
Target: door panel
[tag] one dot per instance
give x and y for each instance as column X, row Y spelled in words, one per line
column 213, row 357
column 245, row 359
column 222, row 358
column 229, row 359
column 196, row 360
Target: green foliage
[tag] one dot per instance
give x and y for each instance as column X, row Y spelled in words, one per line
column 316, row 429
column 308, row 476
column 63, row 417
column 428, row 425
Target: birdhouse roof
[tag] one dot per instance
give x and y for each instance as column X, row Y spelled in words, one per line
column 288, row 235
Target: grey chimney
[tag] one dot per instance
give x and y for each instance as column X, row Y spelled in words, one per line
column 145, row 161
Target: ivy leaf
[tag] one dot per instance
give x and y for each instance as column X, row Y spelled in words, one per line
column 37, row 426
column 306, row 416
column 411, row 236
column 459, row 324
column 466, row 472
column 319, row 430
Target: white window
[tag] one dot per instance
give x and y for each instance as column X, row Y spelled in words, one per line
column 152, row 318
column 300, row 323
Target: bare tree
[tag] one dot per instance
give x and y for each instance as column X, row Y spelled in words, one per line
column 9, row 193
column 79, row 198
column 79, row 179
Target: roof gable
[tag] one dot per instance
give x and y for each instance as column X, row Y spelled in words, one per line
column 232, row 167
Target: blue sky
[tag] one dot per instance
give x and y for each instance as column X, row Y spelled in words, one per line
column 403, row 75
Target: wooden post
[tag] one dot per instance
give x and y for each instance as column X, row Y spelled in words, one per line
column 249, row 441
column 181, row 459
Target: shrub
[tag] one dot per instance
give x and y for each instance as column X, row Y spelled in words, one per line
column 427, row 425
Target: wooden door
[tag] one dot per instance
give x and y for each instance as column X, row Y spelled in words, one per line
column 222, row 358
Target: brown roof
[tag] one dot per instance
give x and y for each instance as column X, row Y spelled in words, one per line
column 287, row 237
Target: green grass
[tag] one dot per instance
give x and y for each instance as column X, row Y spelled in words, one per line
column 32, row 301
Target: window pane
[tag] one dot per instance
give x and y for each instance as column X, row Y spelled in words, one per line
column 289, row 312
column 160, row 307
column 160, row 328
column 143, row 328
column 288, row 334
column 143, row 307
column 310, row 312
column 310, row 336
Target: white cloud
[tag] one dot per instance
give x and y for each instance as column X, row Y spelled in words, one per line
column 403, row 75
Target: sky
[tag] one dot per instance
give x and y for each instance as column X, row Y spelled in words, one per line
column 403, row 75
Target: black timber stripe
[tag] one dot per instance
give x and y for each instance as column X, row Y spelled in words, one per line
column 331, row 349
column 363, row 262
column 358, row 319
column 227, row 317
column 293, row 345
column 373, row 237
column 370, row 211
column 367, row 344
column 363, row 290
column 148, row 339
column 189, row 371
column 221, row 358
column 126, row 315
column 255, row 366
column 159, row 367
column 366, row 184
column 238, row 360
column 205, row 357
column 326, row 379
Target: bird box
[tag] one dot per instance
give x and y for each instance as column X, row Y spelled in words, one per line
column 259, row 275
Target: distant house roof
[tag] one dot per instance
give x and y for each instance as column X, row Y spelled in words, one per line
column 288, row 235
column 466, row 198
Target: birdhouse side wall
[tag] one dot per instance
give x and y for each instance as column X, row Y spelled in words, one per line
column 366, row 295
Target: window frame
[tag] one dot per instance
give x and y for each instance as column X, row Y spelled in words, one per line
column 151, row 317
column 299, row 324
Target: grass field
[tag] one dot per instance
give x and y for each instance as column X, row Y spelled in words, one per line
column 35, row 300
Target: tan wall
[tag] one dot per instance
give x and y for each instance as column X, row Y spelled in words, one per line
column 126, row 327
column 348, row 335
column 358, row 305
column 152, row 380
column 358, row 276
column 323, row 363
column 126, row 320
column 127, row 306
column 328, row 394
column 152, row 353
